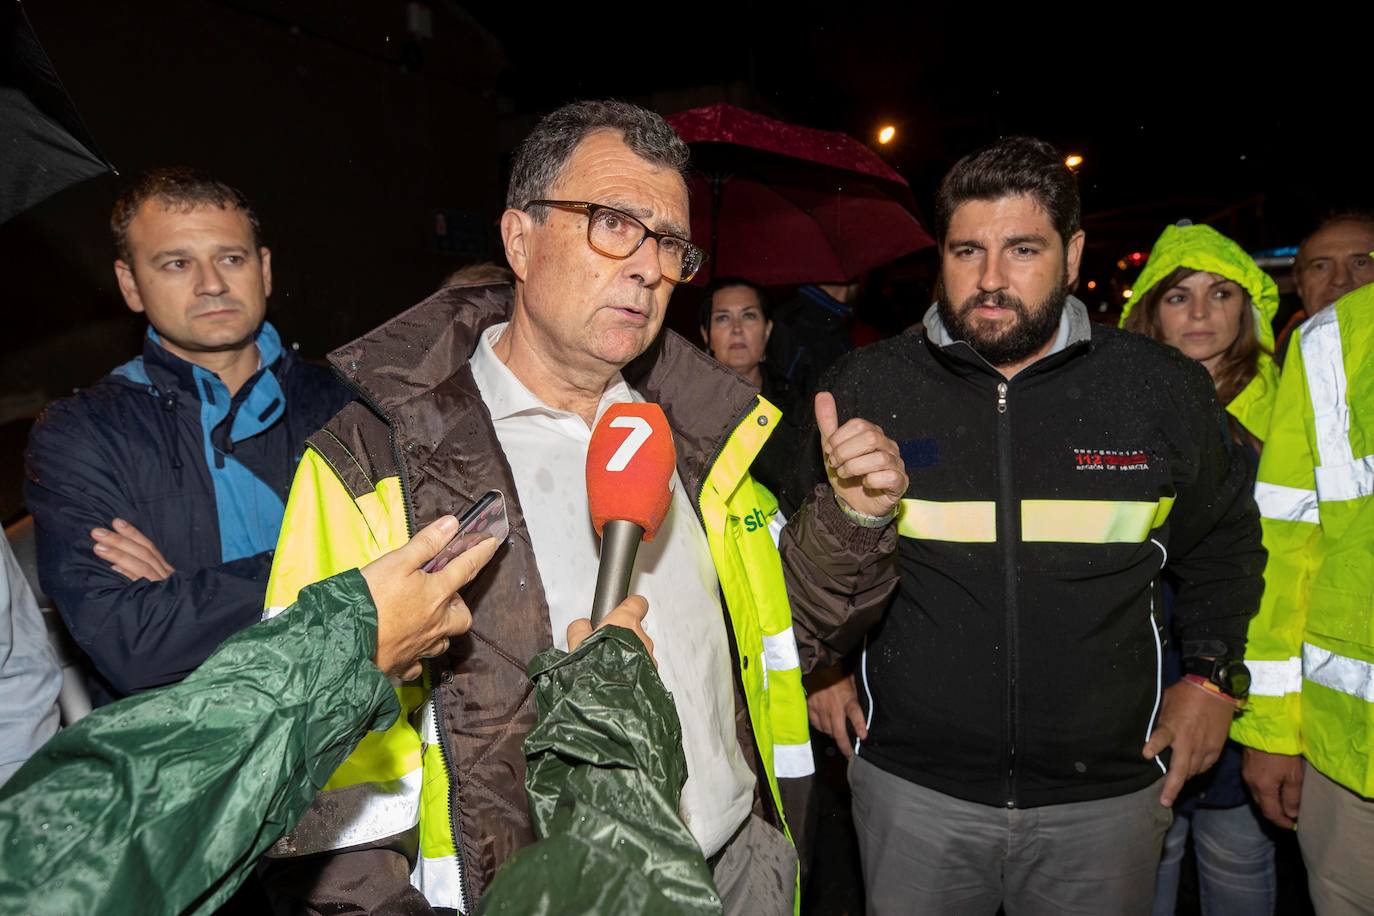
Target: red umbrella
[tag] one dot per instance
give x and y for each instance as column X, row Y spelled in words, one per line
column 779, row 204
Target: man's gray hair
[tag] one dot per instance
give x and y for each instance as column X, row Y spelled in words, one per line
column 544, row 154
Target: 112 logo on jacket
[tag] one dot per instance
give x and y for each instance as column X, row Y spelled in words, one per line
column 1106, row 459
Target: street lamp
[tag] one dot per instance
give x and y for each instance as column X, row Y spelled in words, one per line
column 886, row 134
column 1073, row 161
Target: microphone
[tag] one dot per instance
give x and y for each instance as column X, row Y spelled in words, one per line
column 630, row 466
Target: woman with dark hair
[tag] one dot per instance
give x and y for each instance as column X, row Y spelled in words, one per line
column 735, row 326
column 1203, row 295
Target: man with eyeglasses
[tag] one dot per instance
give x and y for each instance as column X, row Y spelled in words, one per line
column 1333, row 259
column 484, row 387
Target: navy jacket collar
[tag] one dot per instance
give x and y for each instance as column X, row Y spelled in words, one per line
column 163, row 370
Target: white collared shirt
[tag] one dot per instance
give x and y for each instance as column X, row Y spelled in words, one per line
column 547, row 452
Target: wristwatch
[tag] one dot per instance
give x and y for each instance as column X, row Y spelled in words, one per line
column 1227, row 676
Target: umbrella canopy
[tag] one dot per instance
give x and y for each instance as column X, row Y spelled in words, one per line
column 44, row 147
column 779, row 204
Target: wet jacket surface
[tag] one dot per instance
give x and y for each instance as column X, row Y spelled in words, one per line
column 160, row 443
column 163, row 802
column 1019, row 663
column 606, row 771
column 420, row 436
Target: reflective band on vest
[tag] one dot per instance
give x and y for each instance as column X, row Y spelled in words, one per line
column 780, row 651
column 1346, row 481
column 962, row 522
column 429, row 727
column 437, row 879
column 1339, row 475
column 1324, row 366
column 1287, row 504
column 1275, row 679
column 1338, row 672
column 362, row 813
column 775, row 526
column 792, row 761
column 1091, row 521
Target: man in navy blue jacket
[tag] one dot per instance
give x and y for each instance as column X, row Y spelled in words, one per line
column 158, row 492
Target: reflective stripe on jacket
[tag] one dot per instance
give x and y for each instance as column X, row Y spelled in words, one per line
column 1019, row 663
column 1311, row 648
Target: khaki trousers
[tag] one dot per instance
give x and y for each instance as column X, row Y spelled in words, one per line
column 1336, row 833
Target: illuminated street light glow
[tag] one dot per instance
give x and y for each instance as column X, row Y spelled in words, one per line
column 1092, row 284
column 1073, row 160
column 886, row 134
column 1127, row 293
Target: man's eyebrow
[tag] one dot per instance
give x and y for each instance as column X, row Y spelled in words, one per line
column 1026, row 240
column 644, row 215
column 963, row 243
column 186, row 253
column 672, row 228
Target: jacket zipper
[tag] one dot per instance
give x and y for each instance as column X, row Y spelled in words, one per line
column 1007, row 524
column 445, row 754
column 453, row 810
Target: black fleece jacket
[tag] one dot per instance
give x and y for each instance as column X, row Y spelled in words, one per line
column 1019, row 662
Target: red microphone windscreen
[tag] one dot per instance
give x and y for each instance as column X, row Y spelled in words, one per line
column 630, row 466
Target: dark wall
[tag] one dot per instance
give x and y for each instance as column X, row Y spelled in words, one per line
column 346, row 130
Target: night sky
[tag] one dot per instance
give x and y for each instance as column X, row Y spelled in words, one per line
column 351, row 133
column 1176, row 118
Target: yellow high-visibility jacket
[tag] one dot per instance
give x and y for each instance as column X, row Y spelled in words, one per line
column 1311, row 647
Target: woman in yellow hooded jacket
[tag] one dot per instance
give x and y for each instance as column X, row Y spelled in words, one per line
column 1203, row 295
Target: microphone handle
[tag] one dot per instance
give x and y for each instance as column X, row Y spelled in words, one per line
column 619, row 544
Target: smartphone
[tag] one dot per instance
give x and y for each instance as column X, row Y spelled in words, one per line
column 487, row 518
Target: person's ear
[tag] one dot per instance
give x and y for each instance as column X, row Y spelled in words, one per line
column 706, row 339
column 767, row 330
column 1073, row 257
column 516, row 237
column 265, row 255
column 128, row 286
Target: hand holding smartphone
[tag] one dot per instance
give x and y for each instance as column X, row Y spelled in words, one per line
column 487, row 518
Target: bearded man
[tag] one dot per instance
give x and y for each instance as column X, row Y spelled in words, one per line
column 1017, row 748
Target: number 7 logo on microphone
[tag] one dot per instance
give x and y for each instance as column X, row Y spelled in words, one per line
column 640, row 431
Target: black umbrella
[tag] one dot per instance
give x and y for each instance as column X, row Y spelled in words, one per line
column 44, row 147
